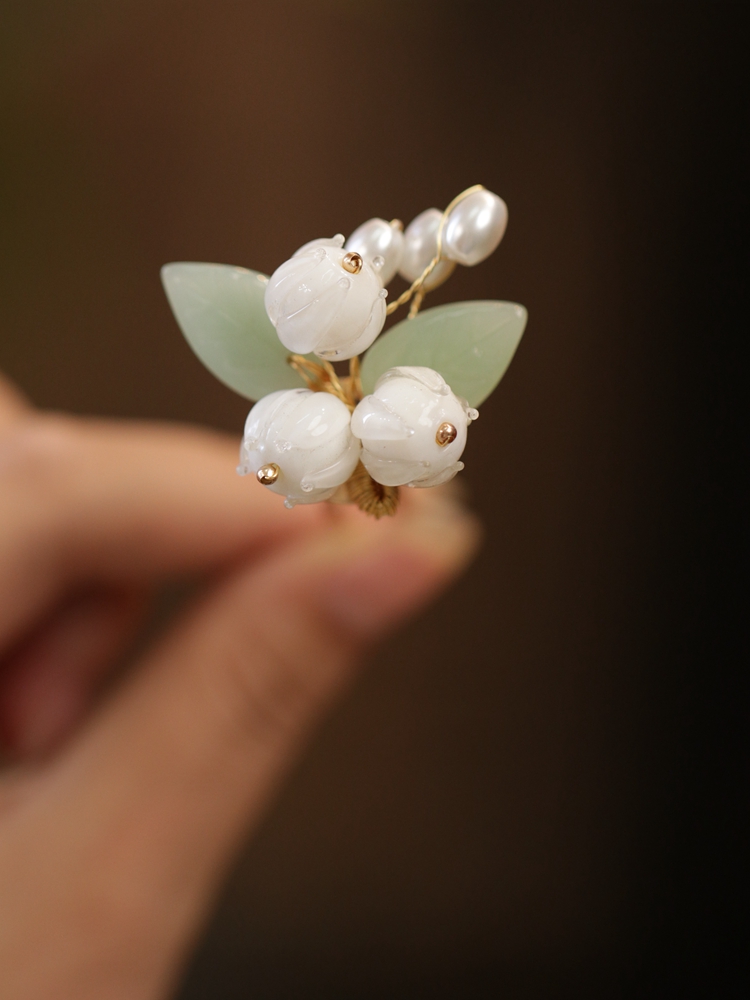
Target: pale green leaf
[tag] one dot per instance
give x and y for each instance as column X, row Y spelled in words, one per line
column 220, row 310
column 469, row 343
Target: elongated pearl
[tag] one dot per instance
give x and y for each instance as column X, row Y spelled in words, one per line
column 475, row 227
column 420, row 246
column 378, row 238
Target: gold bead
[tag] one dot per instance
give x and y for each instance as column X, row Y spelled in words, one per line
column 397, row 224
column 445, row 434
column 352, row 262
column 268, row 474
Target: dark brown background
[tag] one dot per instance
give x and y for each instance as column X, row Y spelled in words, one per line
column 529, row 793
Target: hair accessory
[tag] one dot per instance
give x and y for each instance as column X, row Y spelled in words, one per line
column 401, row 414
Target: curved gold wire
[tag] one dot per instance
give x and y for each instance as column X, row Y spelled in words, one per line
column 416, row 285
column 323, row 378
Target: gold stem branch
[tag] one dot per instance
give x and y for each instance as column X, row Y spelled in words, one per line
column 416, row 290
column 355, row 380
column 323, row 378
column 338, row 389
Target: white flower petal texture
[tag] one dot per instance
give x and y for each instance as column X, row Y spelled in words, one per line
column 319, row 305
column 307, row 437
column 412, row 428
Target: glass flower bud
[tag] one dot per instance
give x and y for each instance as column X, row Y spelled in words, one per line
column 335, row 241
column 420, row 246
column 474, row 228
column 326, row 300
column 412, row 428
column 299, row 443
column 378, row 238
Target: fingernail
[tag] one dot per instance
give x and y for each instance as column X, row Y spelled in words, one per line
column 391, row 569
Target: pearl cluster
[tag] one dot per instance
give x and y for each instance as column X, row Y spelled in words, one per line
column 329, row 299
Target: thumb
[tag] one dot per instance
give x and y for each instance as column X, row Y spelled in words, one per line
column 149, row 804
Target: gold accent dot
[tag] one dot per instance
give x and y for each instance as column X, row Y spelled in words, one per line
column 397, row 224
column 268, row 474
column 352, row 262
column 445, row 434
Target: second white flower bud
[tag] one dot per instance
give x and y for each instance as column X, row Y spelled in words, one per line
column 412, row 428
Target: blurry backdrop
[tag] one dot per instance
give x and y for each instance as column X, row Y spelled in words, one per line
column 527, row 795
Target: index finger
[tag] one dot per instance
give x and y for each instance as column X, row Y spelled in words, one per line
column 104, row 500
column 13, row 404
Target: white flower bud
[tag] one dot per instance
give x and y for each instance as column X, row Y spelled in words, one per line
column 299, row 443
column 326, row 300
column 412, row 428
column 375, row 239
column 474, row 228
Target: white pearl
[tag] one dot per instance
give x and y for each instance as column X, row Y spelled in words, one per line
column 474, row 228
column 420, row 246
column 308, row 436
column 317, row 305
column 398, row 427
column 378, row 238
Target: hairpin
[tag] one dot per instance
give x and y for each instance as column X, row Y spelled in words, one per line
column 400, row 416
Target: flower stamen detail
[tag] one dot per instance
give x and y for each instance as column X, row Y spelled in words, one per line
column 352, row 262
column 268, row 474
column 445, row 434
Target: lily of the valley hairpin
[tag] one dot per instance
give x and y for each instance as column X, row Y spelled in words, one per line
column 399, row 418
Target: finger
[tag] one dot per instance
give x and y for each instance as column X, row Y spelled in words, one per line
column 149, row 804
column 49, row 680
column 91, row 500
column 13, row 404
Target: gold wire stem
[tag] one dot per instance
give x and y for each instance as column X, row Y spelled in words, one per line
column 313, row 375
column 371, row 497
column 416, row 302
column 355, row 380
column 338, row 389
column 413, row 287
column 323, row 378
column 416, row 286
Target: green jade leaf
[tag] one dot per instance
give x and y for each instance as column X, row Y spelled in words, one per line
column 470, row 344
column 220, row 310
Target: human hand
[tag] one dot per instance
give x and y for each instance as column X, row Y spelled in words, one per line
column 120, row 811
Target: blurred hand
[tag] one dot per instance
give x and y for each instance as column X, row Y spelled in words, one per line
column 119, row 812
